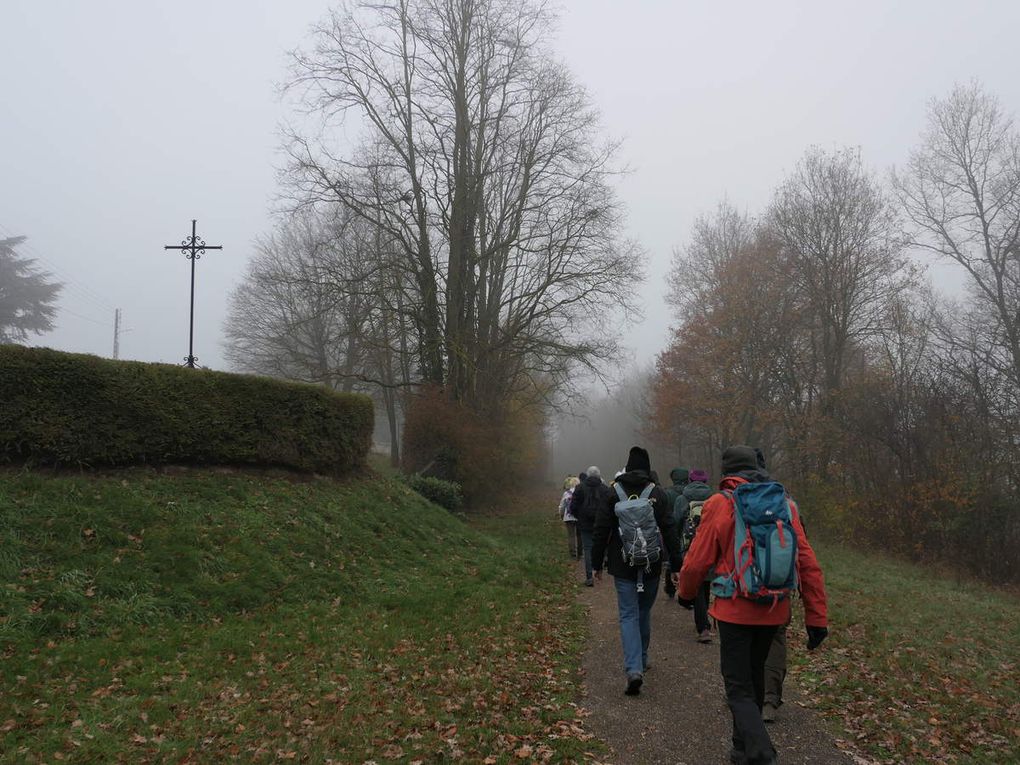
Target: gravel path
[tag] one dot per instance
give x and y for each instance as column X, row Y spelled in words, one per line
column 681, row 717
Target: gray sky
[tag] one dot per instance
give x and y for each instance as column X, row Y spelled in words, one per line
column 120, row 121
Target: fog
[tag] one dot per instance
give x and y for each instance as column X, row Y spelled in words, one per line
column 123, row 121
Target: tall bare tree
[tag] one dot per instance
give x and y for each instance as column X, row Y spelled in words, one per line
column 482, row 164
column 840, row 236
column 961, row 190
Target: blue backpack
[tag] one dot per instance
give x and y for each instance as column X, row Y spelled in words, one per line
column 764, row 545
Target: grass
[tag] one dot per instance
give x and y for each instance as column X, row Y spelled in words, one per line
column 920, row 667
column 211, row 616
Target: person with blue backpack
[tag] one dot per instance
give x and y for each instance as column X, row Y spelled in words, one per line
column 634, row 532
column 751, row 535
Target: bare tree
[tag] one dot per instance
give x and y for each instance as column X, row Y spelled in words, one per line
column 697, row 269
column 840, row 237
column 482, row 165
column 961, row 190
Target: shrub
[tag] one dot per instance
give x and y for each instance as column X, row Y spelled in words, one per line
column 71, row 409
column 448, row 439
column 444, row 493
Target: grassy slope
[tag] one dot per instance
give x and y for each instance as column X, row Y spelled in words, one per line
column 920, row 667
column 210, row 616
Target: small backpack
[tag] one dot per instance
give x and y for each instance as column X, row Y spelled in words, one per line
column 691, row 523
column 639, row 532
column 764, row 545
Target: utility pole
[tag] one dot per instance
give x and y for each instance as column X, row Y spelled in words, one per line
column 193, row 248
column 116, row 334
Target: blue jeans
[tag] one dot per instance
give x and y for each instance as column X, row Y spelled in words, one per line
column 586, row 546
column 635, row 620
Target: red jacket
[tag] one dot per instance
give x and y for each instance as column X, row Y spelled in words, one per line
column 713, row 547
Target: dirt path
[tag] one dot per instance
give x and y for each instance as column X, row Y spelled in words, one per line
column 681, row 717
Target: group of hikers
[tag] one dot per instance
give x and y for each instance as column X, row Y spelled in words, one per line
column 737, row 554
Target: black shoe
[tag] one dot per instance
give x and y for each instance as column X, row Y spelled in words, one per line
column 634, row 682
column 589, row 583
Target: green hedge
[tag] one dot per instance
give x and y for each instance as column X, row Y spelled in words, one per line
column 446, row 494
column 71, row 409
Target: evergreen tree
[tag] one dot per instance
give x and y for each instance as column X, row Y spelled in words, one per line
column 27, row 295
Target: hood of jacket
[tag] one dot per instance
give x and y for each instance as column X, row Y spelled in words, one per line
column 754, row 476
column 697, row 491
column 592, row 480
column 634, row 481
column 730, row 482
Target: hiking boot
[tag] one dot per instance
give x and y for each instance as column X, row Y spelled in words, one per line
column 705, row 636
column 634, row 682
column 589, row 582
column 768, row 713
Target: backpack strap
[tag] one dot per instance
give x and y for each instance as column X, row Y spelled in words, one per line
column 620, row 492
column 647, row 491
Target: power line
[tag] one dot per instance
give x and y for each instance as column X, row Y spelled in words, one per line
column 84, row 318
column 79, row 290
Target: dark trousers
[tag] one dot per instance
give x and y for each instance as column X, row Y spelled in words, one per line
column 701, row 622
column 586, row 543
column 775, row 669
column 742, row 652
column 573, row 539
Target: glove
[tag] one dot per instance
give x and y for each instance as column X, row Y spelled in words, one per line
column 815, row 636
column 688, row 604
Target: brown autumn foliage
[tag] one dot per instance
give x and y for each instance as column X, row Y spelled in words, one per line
column 454, row 441
column 907, row 441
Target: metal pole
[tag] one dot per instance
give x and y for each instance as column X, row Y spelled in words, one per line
column 116, row 334
column 191, row 322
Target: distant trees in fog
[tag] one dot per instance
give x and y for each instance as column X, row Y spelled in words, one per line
column 809, row 331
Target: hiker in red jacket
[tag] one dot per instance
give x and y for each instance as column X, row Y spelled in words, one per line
column 747, row 625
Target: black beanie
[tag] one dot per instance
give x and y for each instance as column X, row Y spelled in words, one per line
column 738, row 458
column 638, row 460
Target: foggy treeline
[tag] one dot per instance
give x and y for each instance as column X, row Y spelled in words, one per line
column 807, row 330
column 464, row 249
column 603, row 431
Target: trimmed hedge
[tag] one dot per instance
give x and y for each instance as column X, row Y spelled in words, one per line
column 71, row 409
column 443, row 493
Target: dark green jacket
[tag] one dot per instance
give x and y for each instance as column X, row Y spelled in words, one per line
column 693, row 492
column 679, row 478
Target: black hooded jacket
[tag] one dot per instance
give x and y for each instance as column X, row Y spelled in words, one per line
column 606, row 537
column 589, row 495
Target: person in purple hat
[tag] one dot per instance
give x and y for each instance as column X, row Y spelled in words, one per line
column 688, row 516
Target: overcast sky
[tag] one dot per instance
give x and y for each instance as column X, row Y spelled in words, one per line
column 120, row 121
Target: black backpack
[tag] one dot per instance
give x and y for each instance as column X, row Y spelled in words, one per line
column 589, row 504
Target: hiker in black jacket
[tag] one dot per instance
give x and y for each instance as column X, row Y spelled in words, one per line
column 591, row 494
column 636, row 587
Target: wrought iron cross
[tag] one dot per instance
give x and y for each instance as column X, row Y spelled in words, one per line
column 193, row 248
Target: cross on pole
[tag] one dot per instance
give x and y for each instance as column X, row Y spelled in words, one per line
column 193, row 248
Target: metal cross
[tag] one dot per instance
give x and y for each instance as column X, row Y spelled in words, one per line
column 193, row 248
